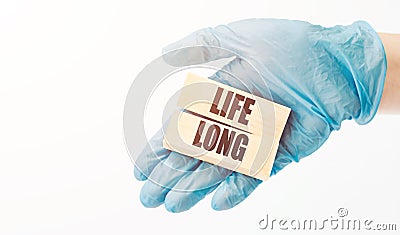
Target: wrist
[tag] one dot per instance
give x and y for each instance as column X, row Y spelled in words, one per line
column 390, row 101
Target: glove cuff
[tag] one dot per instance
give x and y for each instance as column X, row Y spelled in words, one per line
column 367, row 60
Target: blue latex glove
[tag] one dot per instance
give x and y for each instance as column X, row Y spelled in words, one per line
column 325, row 75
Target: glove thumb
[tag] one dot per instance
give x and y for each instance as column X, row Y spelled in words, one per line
column 199, row 47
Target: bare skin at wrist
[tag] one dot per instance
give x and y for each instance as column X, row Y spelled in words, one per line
column 390, row 101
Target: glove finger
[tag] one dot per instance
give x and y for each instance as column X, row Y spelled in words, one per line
column 201, row 46
column 151, row 155
column 164, row 177
column 195, row 186
column 233, row 190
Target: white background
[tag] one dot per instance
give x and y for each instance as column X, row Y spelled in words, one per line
column 65, row 68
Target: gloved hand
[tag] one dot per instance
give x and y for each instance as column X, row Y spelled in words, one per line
column 325, row 75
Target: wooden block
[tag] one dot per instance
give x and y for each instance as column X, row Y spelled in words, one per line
column 227, row 127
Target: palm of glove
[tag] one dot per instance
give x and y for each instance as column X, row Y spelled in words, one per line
column 304, row 68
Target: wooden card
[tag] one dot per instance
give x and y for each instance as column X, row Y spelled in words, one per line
column 227, row 127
